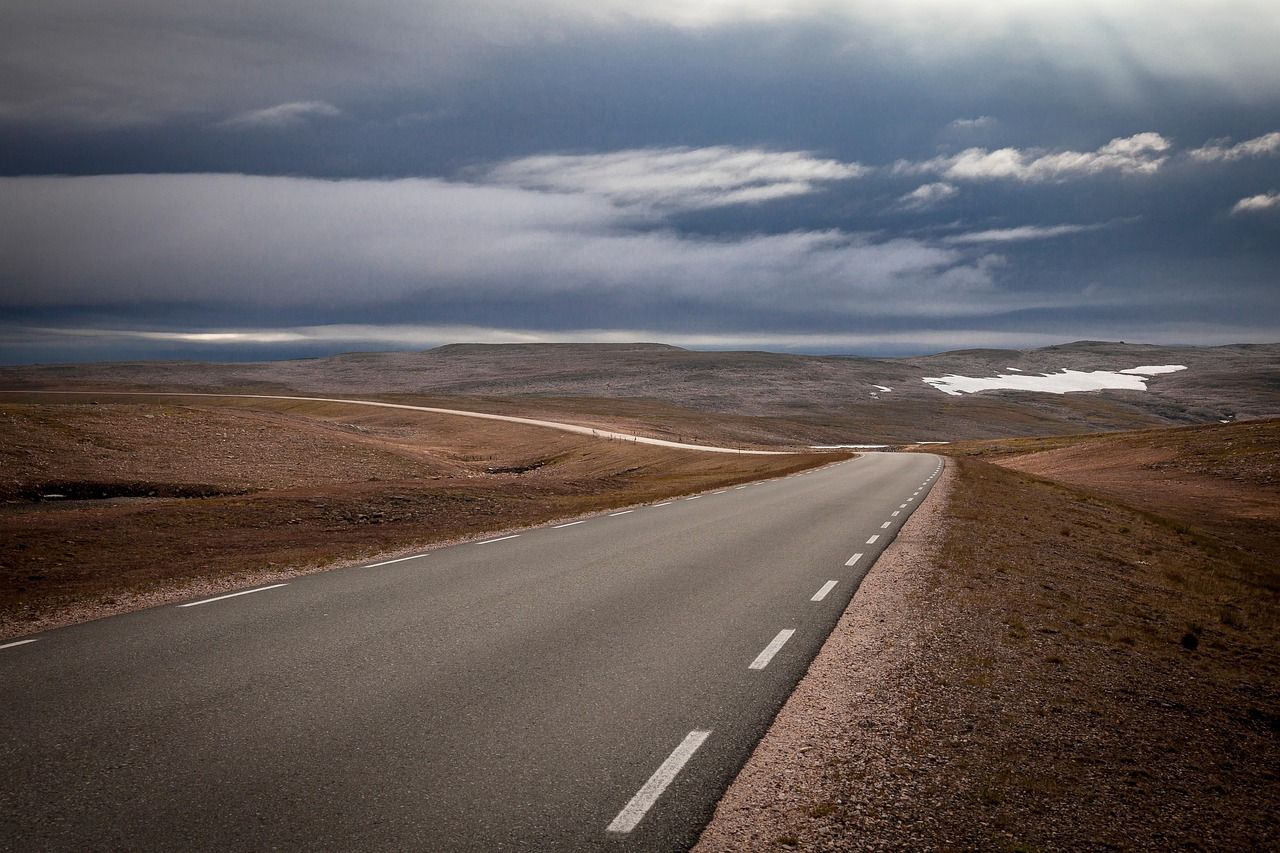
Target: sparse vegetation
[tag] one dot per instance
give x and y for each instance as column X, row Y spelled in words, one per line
column 155, row 497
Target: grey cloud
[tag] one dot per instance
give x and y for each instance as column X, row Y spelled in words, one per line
column 927, row 196
column 1267, row 145
column 1257, row 203
column 1020, row 233
column 132, row 61
column 243, row 240
column 1142, row 153
column 972, row 123
column 677, row 177
column 288, row 114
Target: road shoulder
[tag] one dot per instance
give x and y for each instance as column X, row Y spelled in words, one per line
column 841, row 718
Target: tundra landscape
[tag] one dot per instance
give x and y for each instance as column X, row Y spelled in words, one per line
column 588, row 425
column 1075, row 643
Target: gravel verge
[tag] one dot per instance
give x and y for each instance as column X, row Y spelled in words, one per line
column 844, row 712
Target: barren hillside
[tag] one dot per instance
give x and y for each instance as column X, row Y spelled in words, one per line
column 820, row 399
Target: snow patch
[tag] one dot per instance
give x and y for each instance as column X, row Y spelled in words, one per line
column 1155, row 369
column 1064, row 382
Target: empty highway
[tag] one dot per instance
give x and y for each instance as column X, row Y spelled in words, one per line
column 586, row 685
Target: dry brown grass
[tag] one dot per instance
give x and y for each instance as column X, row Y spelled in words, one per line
column 1131, row 699
column 287, row 487
column 1122, row 592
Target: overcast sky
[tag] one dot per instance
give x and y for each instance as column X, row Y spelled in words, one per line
column 215, row 179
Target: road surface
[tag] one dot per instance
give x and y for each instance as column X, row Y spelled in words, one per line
column 587, row 685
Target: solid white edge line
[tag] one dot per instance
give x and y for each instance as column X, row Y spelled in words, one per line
column 823, row 590
column 776, row 644
column 499, row 539
column 873, row 539
column 624, row 512
column 396, row 560
column 886, row 524
column 569, row 524
column 638, row 806
column 232, row 595
column 17, row 643
column 855, row 558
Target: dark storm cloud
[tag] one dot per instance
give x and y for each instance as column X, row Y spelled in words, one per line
column 812, row 171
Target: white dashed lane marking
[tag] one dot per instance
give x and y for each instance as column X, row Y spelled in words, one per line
column 17, row 643
column 855, row 558
column 396, row 560
column 499, row 539
column 823, row 590
column 775, row 645
column 569, row 524
column 624, row 512
column 232, row 595
column 635, row 810
column 873, row 539
column 886, row 524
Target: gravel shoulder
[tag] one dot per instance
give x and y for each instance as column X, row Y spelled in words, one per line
column 844, row 718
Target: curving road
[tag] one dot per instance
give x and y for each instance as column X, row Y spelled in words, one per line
column 556, row 425
column 590, row 685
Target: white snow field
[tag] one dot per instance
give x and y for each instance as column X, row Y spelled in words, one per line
column 1064, row 382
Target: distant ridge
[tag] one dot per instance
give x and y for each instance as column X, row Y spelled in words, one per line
column 639, row 346
column 788, row 397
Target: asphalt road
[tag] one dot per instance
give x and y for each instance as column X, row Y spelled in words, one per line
column 579, row 687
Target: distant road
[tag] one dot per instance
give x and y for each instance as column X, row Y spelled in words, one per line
column 558, row 425
column 589, row 685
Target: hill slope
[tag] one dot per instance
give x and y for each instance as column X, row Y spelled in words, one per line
column 816, row 398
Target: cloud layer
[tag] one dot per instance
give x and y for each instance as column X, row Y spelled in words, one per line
column 1140, row 154
column 248, row 240
column 1257, row 203
column 142, row 60
column 677, row 177
column 282, row 115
